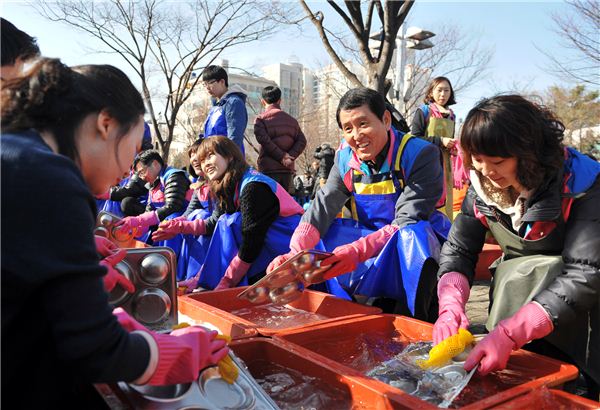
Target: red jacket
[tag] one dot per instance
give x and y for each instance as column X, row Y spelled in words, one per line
column 278, row 133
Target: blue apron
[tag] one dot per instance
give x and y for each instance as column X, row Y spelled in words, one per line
column 193, row 248
column 396, row 271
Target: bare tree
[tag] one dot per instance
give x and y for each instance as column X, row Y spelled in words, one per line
column 361, row 21
column 166, row 42
column 579, row 32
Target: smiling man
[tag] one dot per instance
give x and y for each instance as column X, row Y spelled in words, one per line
column 394, row 182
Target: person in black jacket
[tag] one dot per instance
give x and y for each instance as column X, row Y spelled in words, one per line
column 168, row 188
column 540, row 202
column 68, row 134
column 325, row 154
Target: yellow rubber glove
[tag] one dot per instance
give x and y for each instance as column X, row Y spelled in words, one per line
column 227, row 368
column 448, row 348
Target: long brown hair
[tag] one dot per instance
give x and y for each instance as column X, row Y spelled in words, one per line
column 512, row 126
column 434, row 83
column 224, row 188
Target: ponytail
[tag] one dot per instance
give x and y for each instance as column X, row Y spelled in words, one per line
column 53, row 97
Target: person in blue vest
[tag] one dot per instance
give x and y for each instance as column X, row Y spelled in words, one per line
column 540, row 200
column 252, row 223
column 390, row 248
column 194, row 242
column 68, row 134
column 228, row 115
column 167, row 196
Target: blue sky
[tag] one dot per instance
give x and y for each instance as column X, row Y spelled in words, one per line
column 513, row 28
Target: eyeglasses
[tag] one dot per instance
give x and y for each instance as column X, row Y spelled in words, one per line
column 207, row 84
column 141, row 171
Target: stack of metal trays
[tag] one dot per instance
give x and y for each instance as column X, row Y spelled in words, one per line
column 152, row 272
column 285, row 283
column 210, row 391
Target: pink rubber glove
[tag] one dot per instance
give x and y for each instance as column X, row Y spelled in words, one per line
column 140, row 223
column 168, row 229
column 453, row 293
column 104, row 196
column 233, row 275
column 306, row 236
column 184, row 353
column 181, row 354
column 113, row 277
column 492, row 353
column 127, row 322
column 346, row 257
column 104, row 246
column 189, row 284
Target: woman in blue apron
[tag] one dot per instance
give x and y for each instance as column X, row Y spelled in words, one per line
column 189, row 227
column 540, row 201
column 252, row 223
column 434, row 121
column 390, row 247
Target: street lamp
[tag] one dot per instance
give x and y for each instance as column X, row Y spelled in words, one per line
column 414, row 38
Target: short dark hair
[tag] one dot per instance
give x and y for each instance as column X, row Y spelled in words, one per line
column 53, row 97
column 434, row 83
column 16, row 43
column 357, row 97
column 271, row 94
column 215, row 72
column 146, row 158
column 512, row 126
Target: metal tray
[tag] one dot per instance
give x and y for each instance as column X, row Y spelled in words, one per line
column 437, row 385
column 285, row 283
column 105, row 226
column 210, row 391
column 152, row 271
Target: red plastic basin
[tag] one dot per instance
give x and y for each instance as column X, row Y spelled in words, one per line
column 258, row 353
column 549, row 399
column 334, row 344
column 216, row 306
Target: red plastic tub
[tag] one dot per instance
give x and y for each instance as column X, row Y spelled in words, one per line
column 215, row 307
column 341, row 345
column 260, row 354
column 549, row 399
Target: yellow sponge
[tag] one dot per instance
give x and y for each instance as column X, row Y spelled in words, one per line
column 227, row 368
column 448, row 348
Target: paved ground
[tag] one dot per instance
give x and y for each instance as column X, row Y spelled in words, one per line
column 477, row 306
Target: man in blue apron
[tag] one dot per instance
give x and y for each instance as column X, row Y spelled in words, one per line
column 390, row 247
column 228, row 115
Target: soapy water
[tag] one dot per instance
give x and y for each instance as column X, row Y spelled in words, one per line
column 292, row 390
column 362, row 352
column 277, row 317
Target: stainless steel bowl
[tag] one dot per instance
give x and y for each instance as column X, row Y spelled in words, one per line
column 222, row 394
column 119, row 295
column 281, row 278
column 285, row 294
column 106, row 220
column 101, row 231
column 170, row 392
column 122, row 235
column 152, row 305
column 455, row 373
column 304, row 262
column 154, row 269
column 258, row 295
